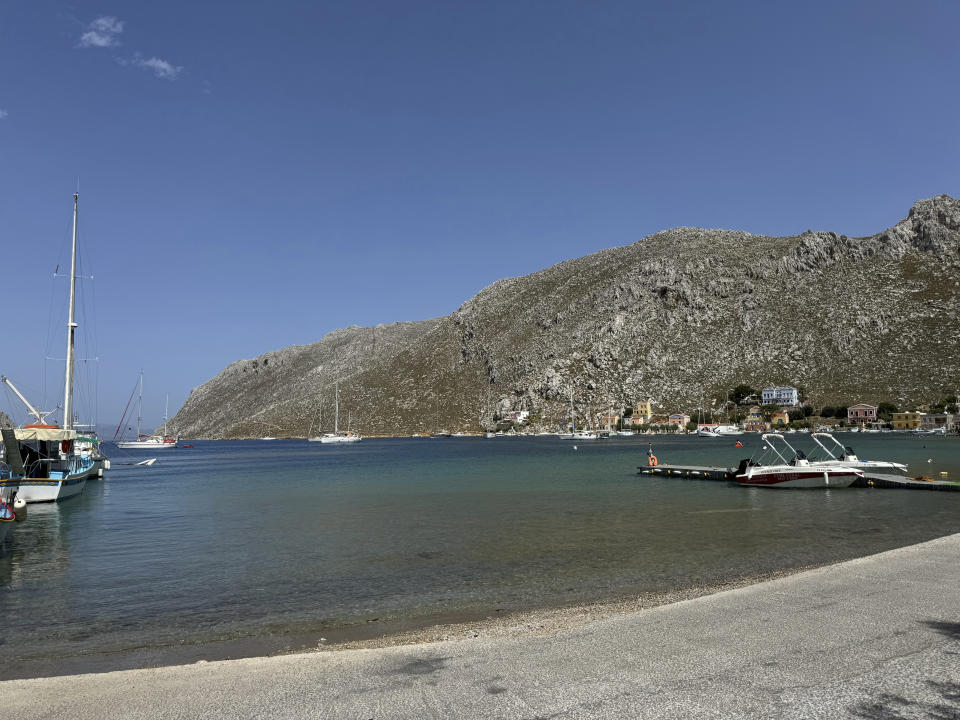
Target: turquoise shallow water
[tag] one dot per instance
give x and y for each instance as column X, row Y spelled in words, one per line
column 246, row 539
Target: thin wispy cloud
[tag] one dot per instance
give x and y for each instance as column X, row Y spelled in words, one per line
column 159, row 67
column 102, row 33
column 3, row 114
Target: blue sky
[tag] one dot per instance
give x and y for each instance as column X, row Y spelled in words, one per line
column 254, row 175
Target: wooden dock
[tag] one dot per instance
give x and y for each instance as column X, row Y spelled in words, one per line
column 721, row 474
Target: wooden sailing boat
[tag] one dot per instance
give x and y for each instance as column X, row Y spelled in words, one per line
column 43, row 464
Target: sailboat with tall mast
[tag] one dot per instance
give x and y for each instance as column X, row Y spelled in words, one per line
column 575, row 434
column 336, row 436
column 144, row 441
column 40, row 458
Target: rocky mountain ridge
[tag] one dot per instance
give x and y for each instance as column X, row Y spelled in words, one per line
column 679, row 316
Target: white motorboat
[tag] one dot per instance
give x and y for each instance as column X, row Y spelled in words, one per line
column 799, row 476
column 795, row 472
column 626, row 433
column 727, row 430
column 144, row 441
column 707, row 432
column 578, row 435
column 847, row 457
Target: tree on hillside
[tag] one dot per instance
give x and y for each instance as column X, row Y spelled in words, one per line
column 840, row 412
column 807, row 411
column 740, row 392
column 885, row 411
column 827, row 411
column 769, row 410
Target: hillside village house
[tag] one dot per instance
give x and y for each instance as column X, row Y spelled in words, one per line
column 908, row 420
column 679, row 419
column 936, row 421
column 754, row 421
column 644, row 410
column 779, row 418
column 861, row 414
column 609, row 420
column 782, row 396
column 517, row 416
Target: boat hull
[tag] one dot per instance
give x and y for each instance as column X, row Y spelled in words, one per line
column 5, row 526
column 832, row 478
column 37, row 490
column 335, row 439
column 138, row 445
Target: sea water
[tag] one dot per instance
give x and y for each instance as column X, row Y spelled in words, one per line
column 233, row 540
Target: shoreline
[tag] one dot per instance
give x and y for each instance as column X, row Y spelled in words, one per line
column 867, row 637
column 382, row 632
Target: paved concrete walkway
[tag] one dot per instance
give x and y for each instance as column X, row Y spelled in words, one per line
column 874, row 638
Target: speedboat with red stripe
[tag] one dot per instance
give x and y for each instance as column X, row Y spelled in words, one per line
column 793, row 472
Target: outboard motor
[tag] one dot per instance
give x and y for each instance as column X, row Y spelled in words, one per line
column 742, row 467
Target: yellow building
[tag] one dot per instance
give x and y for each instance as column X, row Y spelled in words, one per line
column 780, row 418
column 643, row 409
column 907, row 420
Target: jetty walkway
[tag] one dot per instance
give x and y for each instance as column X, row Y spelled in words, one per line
column 726, row 474
column 877, row 637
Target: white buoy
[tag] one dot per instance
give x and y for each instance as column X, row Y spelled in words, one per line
column 20, row 509
column 574, row 447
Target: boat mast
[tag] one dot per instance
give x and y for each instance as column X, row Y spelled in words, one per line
column 71, row 327
column 140, row 405
column 166, row 412
column 336, row 410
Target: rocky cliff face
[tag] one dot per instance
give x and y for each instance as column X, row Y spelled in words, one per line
column 679, row 316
